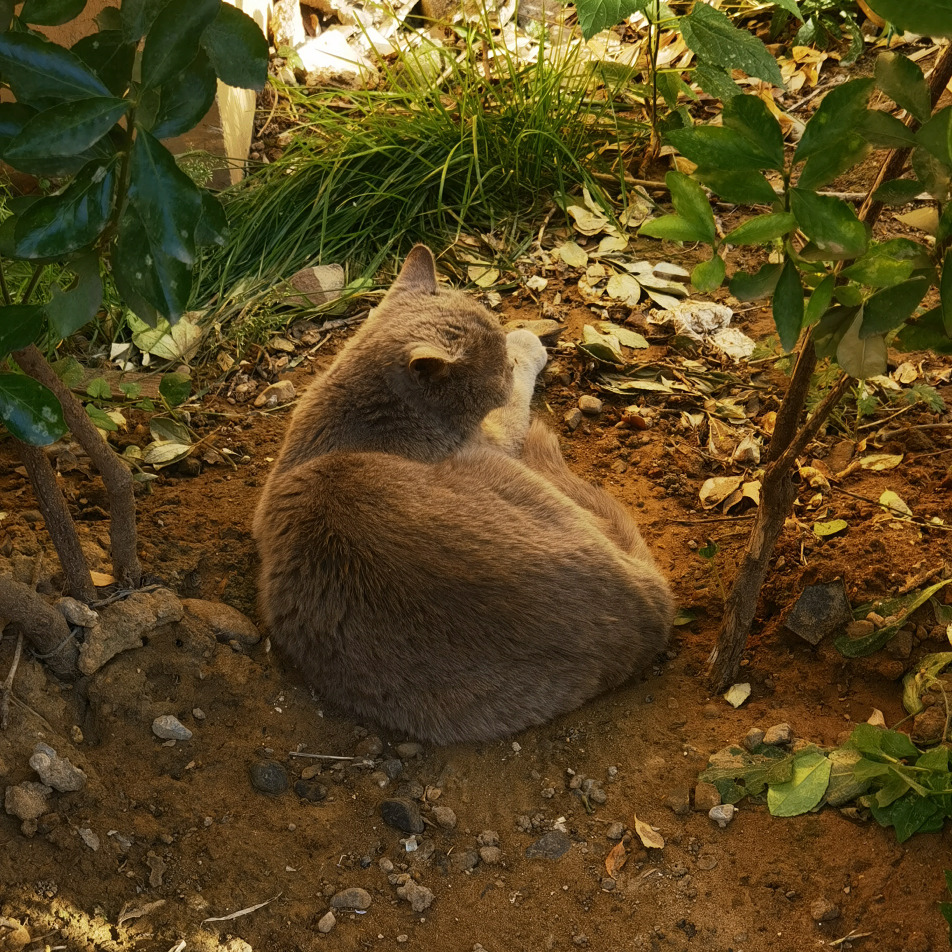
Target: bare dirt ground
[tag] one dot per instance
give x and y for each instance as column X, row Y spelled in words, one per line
column 179, row 830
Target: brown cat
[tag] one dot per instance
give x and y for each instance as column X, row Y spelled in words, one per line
column 428, row 560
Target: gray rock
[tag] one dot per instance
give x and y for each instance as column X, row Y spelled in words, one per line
column 822, row 910
column 76, row 612
column 900, row 645
column 573, row 418
column 589, row 405
column 552, row 845
column 402, row 814
column 277, row 394
column 722, row 814
column 462, row 861
column 310, row 790
column 351, row 898
column 408, row 749
column 820, row 610
column 419, row 897
column 327, row 922
column 392, row 767
column 616, row 832
column 28, row 800
column 754, row 738
column 780, row 735
column 490, row 855
column 369, row 747
column 55, row 771
column 268, row 776
column 227, row 623
column 488, row 838
column 706, row 797
column 167, row 727
column 89, row 838
column 445, row 817
column 679, row 801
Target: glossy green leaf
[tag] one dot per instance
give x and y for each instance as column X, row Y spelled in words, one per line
column 109, row 56
column 754, row 287
column 716, row 147
column 108, row 18
column 889, row 308
column 672, row 228
column 101, row 419
column 20, row 324
column 13, row 117
column 819, row 301
column 750, row 117
column 597, row 15
column 212, row 223
column 150, row 280
column 51, row 12
column 716, row 81
column 927, row 17
column 830, row 223
column 902, row 81
column 804, row 792
column 744, row 188
column 884, row 131
column 708, row 275
column 66, row 130
column 67, row 311
column 934, row 135
column 30, row 411
column 875, row 742
column 820, row 169
column 878, row 271
column 166, row 199
column 98, row 388
column 926, row 332
column 933, row 173
column 237, row 48
column 830, row 133
column 175, row 390
column 831, row 328
column 38, row 70
column 185, row 98
column 898, row 191
column 712, row 36
column 762, row 228
column 173, row 39
column 136, row 17
column 861, row 357
column 849, row 294
column 692, row 204
column 60, row 224
column 788, row 306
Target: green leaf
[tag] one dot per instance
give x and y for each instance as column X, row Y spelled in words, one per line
column 790, row 6
column 164, row 429
column 98, row 388
column 823, row 167
column 761, row 229
column 933, row 173
column 830, row 223
column 750, row 117
column 67, row 130
column 708, row 275
column 175, row 390
column 885, row 131
column 173, row 39
column 878, row 270
column 186, row 97
column 692, row 204
column 824, row 529
column 101, row 419
column 898, row 191
column 872, row 741
column 166, row 199
column 150, row 280
column 39, row 70
column 74, row 219
column 811, row 775
column 788, row 306
column 744, row 188
column 754, row 287
column 108, row 19
column 109, row 56
column 934, row 135
column 861, row 357
column 237, row 48
column 51, row 12
column 926, row 332
column 137, row 16
column 945, row 293
column 20, row 324
column 212, row 223
column 927, row 17
column 716, row 147
column 672, row 228
column 902, row 81
column 889, row 308
column 30, row 411
column 712, row 36
column 716, row 81
column 130, row 391
column 69, row 370
column 597, row 15
column 819, row 301
column 68, row 311
column 911, row 813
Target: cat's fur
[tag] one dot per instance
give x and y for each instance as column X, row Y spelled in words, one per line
column 428, row 560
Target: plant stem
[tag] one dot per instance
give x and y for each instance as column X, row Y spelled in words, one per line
column 4, row 290
column 59, row 522
column 34, row 279
column 115, row 474
column 42, row 625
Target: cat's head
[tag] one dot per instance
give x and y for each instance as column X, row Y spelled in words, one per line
column 449, row 350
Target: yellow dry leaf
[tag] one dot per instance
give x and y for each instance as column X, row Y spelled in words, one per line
column 101, row 578
column 616, row 858
column 650, row 837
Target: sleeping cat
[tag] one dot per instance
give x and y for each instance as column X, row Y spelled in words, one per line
column 429, row 562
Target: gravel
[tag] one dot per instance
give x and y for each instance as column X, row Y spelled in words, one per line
column 552, row 845
column 402, row 814
column 268, row 776
column 167, row 727
column 351, row 898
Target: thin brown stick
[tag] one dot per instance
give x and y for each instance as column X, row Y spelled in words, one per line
column 6, row 689
column 59, row 522
column 115, row 474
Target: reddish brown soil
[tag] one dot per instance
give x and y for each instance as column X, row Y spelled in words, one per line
column 226, row 847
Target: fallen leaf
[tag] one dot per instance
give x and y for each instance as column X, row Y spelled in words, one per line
column 625, row 337
column 586, row 221
column 482, row 275
column 612, row 243
column 716, row 489
column 537, row 282
column 823, row 529
column 624, row 287
column 737, row 694
column 616, row 858
column 895, row 505
column 101, row 578
column 649, row 837
column 573, row 255
column 134, row 910
column 878, row 462
column 924, row 219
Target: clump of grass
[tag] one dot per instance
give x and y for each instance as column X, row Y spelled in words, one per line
column 453, row 142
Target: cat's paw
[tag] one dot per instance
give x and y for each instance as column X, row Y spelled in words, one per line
column 526, row 350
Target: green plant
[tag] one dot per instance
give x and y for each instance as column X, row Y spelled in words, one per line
column 823, row 24
column 85, row 125
column 835, row 292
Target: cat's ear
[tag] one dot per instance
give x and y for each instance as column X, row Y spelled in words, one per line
column 418, row 273
column 428, row 362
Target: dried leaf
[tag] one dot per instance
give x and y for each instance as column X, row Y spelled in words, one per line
column 737, row 694
column 895, row 505
column 240, row 912
column 134, row 910
column 586, row 221
column 626, row 337
column 650, row 837
column 482, row 275
column 537, row 282
column 878, row 462
column 101, row 579
column 573, row 255
column 612, row 244
column 616, row 858
column 624, row 287
column 601, row 346
column 716, row 489
column 824, row 529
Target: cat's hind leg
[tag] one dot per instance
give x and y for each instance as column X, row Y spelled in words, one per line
column 506, row 427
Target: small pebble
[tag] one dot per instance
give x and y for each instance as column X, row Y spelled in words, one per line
column 679, row 801
column 55, row 771
column 860, row 629
column 445, row 817
column 402, row 814
column 822, row 910
column 754, row 738
column 706, row 861
column 706, row 797
column 310, row 790
column 385, row 864
column 409, row 749
column 27, row 800
column 589, row 405
column 168, row 727
column 419, row 897
column 552, row 845
column 369, row 747
column 392, row 767
column 463, row 861
column 403, row 937
column 352, row 898
column 89, row 838
column 198, row 714
column 780, row 735
column 573, row 419
column 327, row 922
column 722, row 814
column 268, row 776
column 616, row 831
column 491, row 855
column 488, row 838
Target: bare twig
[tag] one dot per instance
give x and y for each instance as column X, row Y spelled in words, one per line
column 7, row 687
